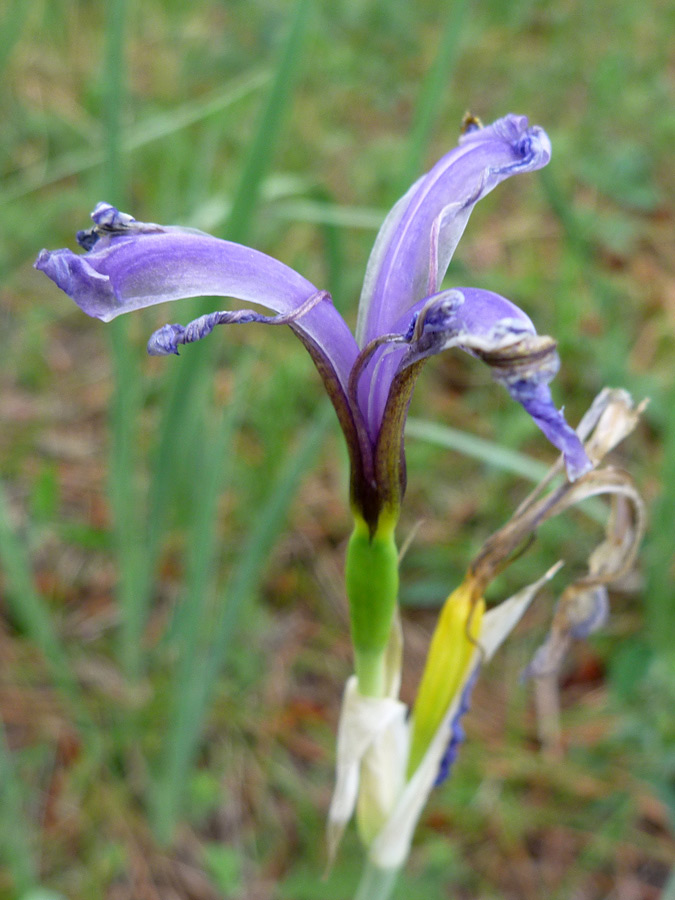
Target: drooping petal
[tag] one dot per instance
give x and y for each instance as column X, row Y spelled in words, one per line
column 496, row 331
column 420, row 234
column 130, row 265
column 166, row 339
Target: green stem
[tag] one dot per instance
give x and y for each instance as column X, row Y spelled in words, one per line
column 371, row 577
column 370, row 672
column 376, row 883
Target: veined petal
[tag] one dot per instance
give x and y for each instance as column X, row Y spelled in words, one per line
column 420, row 234
column 496, row 331
column 130, row 265
column 166, row 339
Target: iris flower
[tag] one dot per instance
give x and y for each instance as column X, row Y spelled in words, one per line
column 387, row 760
column 404, row 317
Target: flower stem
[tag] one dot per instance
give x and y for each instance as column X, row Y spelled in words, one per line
column 376, row 883
column 371, row 575
column 370, row 671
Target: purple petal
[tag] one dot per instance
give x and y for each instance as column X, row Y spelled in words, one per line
column 457, row 734
column 538, row 402
column 498, row 332
column 133, row 264
column 418, row 238
column 167, row 338
column 592, row 612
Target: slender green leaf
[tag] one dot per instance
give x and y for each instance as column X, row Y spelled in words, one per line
column 198, row 682
column 215, row 472
column 178, row 425
column 333, row 251
column 434, row 87
column 30, row 611
column 259, row 156
column 659, row 593
column 478, row 448
column 16, row 13
column 124, row 498
column 15, row 842
column 492, row 454
column 154, row 128
column 322, row 213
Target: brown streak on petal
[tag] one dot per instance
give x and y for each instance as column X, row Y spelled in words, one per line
column 390, row 471
column 528, row 356
column 359, row 447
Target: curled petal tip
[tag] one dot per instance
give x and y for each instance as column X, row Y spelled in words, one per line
column 538, row 145
column 165, row 340
column 531, row 144
column 108, row 216
column 91, row 290
column 41, row 261
column 577, row 462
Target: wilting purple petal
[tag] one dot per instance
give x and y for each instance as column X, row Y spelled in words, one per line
column 166, row 339
column 457, row 734
column 420, row 234
column 496, row 331
column 538, row 402
column 592, row 612
column 132, row 265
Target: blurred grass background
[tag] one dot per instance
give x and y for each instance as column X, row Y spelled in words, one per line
column 173, row 637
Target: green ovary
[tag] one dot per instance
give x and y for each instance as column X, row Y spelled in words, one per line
column 371, row 575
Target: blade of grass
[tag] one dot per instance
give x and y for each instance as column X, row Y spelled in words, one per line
column 259, row 155
column 30, row 611
column 15, row 843
column 477, row 448
column 659, row 594
column 492, row 454
column 127, row 508
column 215, row 473
column 187, row 627
column 11, row 26
column 321, row 213
column 114, row 89
column 195, row 366
column 196, row 688
column 333, row 251
column 194, row 371
column 433, row 89
column 154, row 128
column 127, row 519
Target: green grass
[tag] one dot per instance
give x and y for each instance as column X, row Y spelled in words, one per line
column 172, row 531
